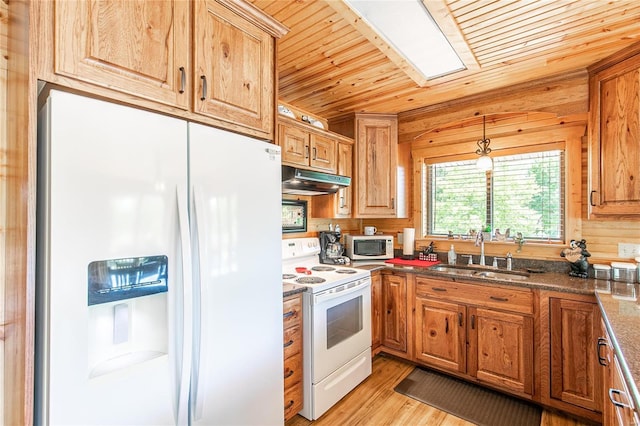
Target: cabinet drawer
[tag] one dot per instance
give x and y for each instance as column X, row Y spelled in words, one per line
column 292, row 341
column 504, row 298
column 292, row 312
column 292, row 400
column 292, row 370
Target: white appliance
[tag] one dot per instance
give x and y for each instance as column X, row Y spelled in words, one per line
column 336, row 324
column 153, row 305
column 369, row 247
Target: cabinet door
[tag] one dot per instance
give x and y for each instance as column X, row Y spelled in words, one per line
column 575, row 376
column 501, row 349
column 295, row 145
column 394, row 305
column 377, row 153
column 234, row 67
column 323, row 153
column 376, row 310
column 614, row 145
column 345, row 168
column 440, row 334
column 137, row 47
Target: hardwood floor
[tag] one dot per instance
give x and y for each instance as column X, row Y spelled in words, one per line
column 375, row 402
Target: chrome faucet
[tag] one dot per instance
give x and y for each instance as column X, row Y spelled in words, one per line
column 480, row 242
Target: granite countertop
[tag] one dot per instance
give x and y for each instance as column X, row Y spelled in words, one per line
column 554, row 281
column 291, row 289
column 622, row 319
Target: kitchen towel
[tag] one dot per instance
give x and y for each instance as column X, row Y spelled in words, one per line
column 414, row 262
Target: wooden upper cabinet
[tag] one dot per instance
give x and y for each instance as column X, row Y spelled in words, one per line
column 234, row 66
column 375, row 193
column 614, row 139
column 377, row 153
column 304, row 147
column 136, row 47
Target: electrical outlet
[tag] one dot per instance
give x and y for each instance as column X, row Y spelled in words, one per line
column 628, row 250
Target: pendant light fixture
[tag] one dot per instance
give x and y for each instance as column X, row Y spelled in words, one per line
column 484, row 163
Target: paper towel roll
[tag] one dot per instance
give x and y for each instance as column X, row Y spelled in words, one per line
column 408, row 241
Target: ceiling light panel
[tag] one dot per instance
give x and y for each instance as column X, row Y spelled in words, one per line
column 409, row 28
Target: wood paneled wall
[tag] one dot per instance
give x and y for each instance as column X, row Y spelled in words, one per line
column 564, row 96
column 4, row 25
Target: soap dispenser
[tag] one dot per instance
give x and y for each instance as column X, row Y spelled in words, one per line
column 452, row 256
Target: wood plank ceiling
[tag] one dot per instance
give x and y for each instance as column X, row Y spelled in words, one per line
column 330, row 63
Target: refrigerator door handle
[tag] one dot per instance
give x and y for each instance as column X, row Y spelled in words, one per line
column 183, row 310
column 197, row 396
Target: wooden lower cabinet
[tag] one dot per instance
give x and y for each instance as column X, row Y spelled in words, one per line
column 394, row 312
column 618, row 408
column 376, row 311
column 440, row 334
column 292, row 346
column 489, row 345
column 501, row 344
column 571, row 378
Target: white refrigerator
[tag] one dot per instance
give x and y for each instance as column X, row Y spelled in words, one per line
column 159, row 291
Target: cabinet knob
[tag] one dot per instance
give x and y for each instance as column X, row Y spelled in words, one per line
column 591, row 198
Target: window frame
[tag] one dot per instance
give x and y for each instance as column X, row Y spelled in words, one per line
column 567, row 137
column 426, row 212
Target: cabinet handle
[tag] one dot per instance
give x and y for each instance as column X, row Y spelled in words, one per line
column 306, row 151
column 204, row 87
column 341, row 202
column 446, row 326
column 393, row 203
column 289, row 405
column 460, row 319
column 289, row 374
column 499, row 299
column 438, row 289
column 315, row 153
column 289, row 343
column 602, row 342
column 591, row 198
column 288, row 314
column 614, row 400
column 473, row 322
column 183, row 80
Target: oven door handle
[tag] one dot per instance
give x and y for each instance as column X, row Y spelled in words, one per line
column 329, row 295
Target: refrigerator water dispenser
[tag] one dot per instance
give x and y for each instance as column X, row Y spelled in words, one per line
column 128, row 317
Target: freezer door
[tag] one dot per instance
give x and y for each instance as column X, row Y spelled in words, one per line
column 236, row 224
column 110, row 178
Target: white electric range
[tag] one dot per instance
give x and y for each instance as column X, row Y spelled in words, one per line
column 336, row 324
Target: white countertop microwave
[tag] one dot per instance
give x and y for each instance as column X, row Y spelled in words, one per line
column 369, row 247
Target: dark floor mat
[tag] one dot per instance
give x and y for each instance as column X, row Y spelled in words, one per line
column 468, row 401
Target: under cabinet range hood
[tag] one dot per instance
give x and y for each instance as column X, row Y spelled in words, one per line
column 308, row 182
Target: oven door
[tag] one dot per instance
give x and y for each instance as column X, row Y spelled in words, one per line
column 341, row 326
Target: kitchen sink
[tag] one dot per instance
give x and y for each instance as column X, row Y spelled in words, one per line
column 474, row 272
column 500, row 275
column 453, row 270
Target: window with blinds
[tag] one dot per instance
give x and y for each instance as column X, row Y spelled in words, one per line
column 523, row 193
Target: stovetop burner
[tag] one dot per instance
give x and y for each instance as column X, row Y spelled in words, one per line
column 310, row 280
column 323, row 268
column 288, row 276
column 346, row 271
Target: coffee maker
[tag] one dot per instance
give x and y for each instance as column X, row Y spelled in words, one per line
column 331, row 249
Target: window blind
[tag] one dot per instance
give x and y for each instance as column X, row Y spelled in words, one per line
column 523, row 193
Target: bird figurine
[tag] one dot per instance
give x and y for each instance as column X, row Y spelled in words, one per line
column 502, row 237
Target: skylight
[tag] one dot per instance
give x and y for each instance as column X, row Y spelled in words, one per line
column 409, row 28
